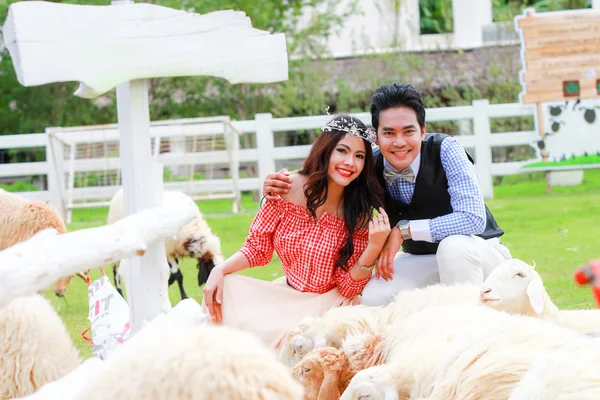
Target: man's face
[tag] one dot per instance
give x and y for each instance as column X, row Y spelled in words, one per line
column 399, row 136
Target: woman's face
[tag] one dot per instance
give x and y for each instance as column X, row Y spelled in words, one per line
column 347, row 160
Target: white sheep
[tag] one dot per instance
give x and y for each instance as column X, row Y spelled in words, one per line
column 515, row 287
column 35, row 347
column 336, row 324
column 571, row 372
column 457, row 352
column 21, row 218
column 194, row 240
column 192, row 362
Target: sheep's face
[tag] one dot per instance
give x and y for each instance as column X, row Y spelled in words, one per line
column 514, row 287
column 309, row 373
column 371, row 384
column 311, row 370
column 195, row 246
column 60, row 286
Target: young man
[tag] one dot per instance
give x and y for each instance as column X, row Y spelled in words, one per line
column 432, row 197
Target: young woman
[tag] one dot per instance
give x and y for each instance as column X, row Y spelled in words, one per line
column 324, row 232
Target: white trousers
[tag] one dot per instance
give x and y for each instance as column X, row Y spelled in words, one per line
column 459, row 259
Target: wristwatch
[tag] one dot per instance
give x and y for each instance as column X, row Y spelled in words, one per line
column 404, row 226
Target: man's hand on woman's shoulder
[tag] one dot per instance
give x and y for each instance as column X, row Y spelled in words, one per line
column 277, row 183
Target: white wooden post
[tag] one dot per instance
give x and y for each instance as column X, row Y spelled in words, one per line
column 56, row 176
column 265, row 145
column 483, row 147
column 145, row 277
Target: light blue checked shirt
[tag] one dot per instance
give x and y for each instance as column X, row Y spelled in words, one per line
column 468, row 216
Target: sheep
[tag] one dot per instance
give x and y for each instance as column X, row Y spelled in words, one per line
column 571, row 372
column 326, row 372
column 35, row 347
column 172, row 361
column 334, row 325
column 194, row 240
column 515, row 287
column 21, row 218
column 451, row 352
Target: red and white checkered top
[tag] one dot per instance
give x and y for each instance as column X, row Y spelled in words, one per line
column 308, row 249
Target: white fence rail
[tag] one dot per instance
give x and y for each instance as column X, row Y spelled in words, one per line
column 265, row 154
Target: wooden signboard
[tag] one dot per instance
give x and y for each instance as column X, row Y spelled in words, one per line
column 560, row 54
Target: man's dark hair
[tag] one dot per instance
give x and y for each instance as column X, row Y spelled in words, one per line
column 397, row 95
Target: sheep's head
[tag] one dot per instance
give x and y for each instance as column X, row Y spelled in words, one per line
column 375, row 383
column 514, row 287
column 60, row 286
column 207, row 250
column 297, row 343
column 312, row 370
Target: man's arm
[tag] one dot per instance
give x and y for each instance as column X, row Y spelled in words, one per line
column 468, row 216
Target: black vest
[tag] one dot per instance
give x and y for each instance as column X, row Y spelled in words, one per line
column 430, row 198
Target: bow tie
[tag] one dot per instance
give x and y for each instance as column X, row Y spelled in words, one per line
column 391, row 175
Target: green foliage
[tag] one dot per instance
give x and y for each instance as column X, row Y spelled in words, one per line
column 19, row 186
column 436, row 16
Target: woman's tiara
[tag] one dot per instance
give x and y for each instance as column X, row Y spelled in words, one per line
column 350, row 126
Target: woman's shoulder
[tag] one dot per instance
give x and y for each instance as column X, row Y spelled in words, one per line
column 296, row 193
column 291, row 203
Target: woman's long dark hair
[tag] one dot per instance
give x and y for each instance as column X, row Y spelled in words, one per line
column 360, row 197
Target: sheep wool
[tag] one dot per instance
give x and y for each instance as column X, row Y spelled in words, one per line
column 195, row 362
column 487, row 363
column 35, row 347
column 21, row 218
column 571, row 372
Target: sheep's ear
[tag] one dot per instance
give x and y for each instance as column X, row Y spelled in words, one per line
column 535, row 292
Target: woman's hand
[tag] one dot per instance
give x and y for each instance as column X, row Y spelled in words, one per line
column 213, row 293
column 379, row 228
column 385, row 263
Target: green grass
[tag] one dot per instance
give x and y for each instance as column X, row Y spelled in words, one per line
column 559, row 232
column 579, row 160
